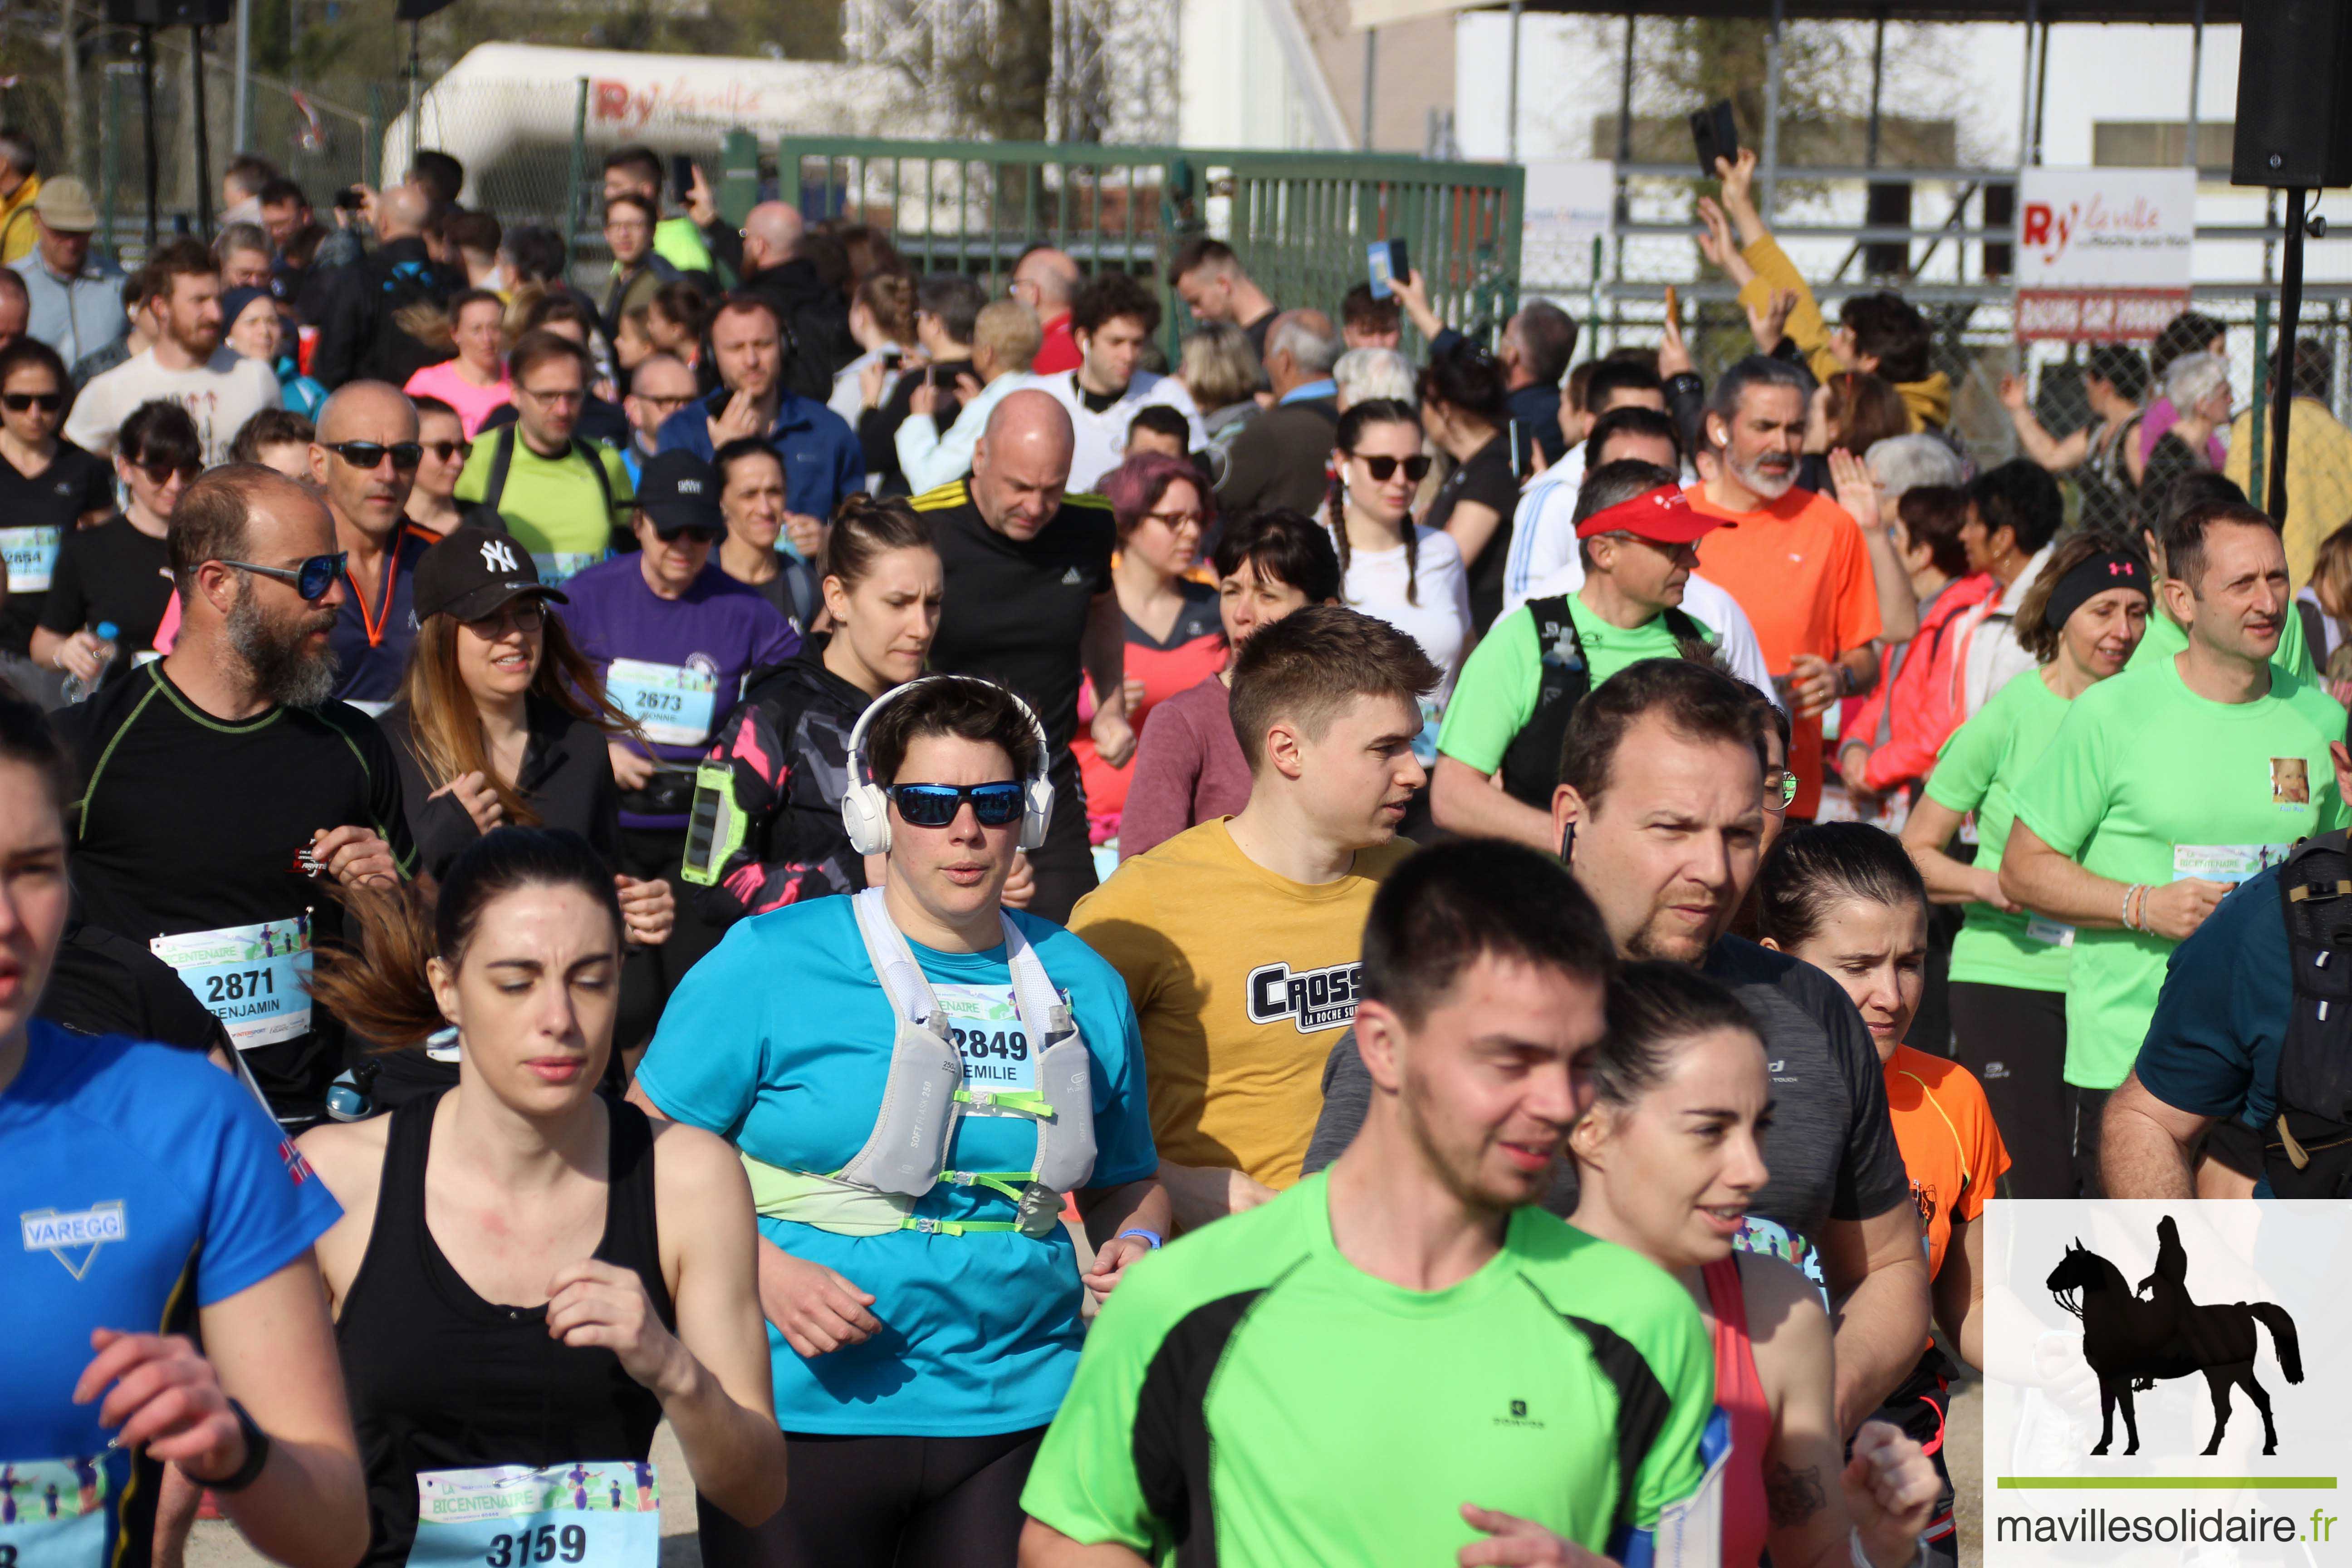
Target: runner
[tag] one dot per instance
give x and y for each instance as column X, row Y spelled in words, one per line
column 365, row 459
column 2082, row 620
column 672, row 637
column 2171, row 783
column 751, row 495
column 168, row 1207
column 1029, row 603
column 49, row 488
column 1162, row 510
column 1240, row 939
column 1189, row 766
column 527, row 1274
column 1639, row 540
column 1265, row 1393
column 1667, row 1161
column 559, row 492
column 2294, row 656
column 1844, row 897
column 118, row 571
column 220, row 787
column 926, row 1322
column 781, row 763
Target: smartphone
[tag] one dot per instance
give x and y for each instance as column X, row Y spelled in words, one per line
column 681, row 176
column 1716, row 135
column 349, row 199
column 1384, row 263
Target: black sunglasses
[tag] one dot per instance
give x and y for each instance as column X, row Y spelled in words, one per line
column 699, row 535
column 46, row 402
column 442, row 450
column 1416, row 468
column 312, row 579
column 161, row 473
column 405, row 455
column 936, row 804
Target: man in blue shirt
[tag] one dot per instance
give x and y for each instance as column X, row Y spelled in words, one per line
column 823, row 461
column 76, row 298
column 2210, row 1062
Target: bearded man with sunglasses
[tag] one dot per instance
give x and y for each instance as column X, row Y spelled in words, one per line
column 673, row 636
column 366, row 457
column 221, row 787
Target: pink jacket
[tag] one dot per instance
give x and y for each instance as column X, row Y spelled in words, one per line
column 1907, row 716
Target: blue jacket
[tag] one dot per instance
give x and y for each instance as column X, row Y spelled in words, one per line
column 823, row 461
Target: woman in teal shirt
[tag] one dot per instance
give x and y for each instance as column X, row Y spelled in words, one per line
column 925, row 1312
column 2082, row 619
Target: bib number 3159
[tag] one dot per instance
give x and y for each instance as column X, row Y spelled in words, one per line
column 593, row 1514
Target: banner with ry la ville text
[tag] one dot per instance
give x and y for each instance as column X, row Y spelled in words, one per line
column 2167, row 1383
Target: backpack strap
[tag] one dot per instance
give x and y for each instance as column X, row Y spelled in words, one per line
column 1531, row 763
column 586, row 451
column 2314, row 1064
column 501, row 460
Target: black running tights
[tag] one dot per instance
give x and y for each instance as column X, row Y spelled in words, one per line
column 886, row 1502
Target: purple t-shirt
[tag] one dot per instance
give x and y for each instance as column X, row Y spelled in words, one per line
column 2161, row 416
column 675, row 666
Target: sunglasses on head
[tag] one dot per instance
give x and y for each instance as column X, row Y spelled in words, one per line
column 405, row 455
column 936, row 804
column 1383, row 468
column 312, row 579
column 46, row 402
column 444, row 450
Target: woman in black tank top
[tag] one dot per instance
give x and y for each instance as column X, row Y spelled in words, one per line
column 514, row 1318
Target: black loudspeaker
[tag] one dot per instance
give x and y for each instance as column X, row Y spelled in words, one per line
column 171, row 13
column 2294, row 94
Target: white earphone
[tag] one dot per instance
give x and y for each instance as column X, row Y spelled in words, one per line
column 866, row 806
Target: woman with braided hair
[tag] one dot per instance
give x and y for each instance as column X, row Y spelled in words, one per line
column 1409, row 576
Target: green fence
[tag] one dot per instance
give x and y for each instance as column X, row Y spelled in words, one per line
column 1300, row 222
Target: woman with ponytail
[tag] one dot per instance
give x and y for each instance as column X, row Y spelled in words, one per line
column 528, row 1273
column 1409, row 576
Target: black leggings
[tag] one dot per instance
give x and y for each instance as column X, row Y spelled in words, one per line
column 885, row 1503
column 2014, row 1040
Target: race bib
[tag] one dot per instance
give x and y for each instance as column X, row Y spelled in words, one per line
column 52, row 1514
column 593, row 1514
column 561, row 567
column 675, row 706
column 986, row 1030
column 32, row 555
column 2225, row 862
column 249, row 977
column 2041, row 928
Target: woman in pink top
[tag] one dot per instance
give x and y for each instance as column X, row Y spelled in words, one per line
column 475, row 382
column 1188, row 766
column 1667, row 1160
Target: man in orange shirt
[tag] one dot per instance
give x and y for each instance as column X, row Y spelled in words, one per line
column 1794, row 560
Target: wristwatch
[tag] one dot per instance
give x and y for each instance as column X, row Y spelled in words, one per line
column 1153, row 1238
column 257, row 1456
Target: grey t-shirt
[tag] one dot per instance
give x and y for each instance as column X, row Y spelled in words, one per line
column 1830, row 1147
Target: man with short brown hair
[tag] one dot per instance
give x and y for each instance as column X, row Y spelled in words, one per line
column 187, row 364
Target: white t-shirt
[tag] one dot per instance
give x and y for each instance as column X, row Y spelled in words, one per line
column 1102, row 437
column 1708, row 603
column 220, row 396
column 1991, row 656
column 1439, row 621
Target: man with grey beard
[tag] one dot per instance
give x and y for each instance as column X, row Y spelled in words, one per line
column 220, row 790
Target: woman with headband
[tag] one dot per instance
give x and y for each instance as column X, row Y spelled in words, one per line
column 2082, row 620
column 924, row 1289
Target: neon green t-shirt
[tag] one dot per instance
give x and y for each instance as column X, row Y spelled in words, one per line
column 1262, row 1385
column 1979, row 770
column 553, row 506
column 2147, row 781
column 2164, row 639
column 1496, row 694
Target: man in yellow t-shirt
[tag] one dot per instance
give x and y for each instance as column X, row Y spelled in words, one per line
column 1240, row 940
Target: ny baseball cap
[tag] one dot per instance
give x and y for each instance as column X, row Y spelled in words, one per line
column 475, row 570
column 679, row 490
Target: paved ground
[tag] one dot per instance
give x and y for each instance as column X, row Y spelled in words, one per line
column 219, row 1546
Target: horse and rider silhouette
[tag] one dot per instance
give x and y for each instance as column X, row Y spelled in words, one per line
column 2131, row 1342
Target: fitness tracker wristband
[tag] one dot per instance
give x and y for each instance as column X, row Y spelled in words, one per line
column 257, row 1456
column 1152, row 1238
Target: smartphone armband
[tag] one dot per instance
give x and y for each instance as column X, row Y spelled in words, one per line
column 714, row 824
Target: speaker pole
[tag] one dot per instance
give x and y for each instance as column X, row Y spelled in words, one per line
column 2283, row 387
column 204, row 137
column 147, row 114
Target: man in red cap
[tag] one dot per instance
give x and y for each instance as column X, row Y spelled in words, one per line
column 1638, row 536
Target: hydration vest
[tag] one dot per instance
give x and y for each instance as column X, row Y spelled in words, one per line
column 1531, row 765
column 2308, row 1148
column 924, row 1099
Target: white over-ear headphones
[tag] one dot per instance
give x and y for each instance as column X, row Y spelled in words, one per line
column 865, row 807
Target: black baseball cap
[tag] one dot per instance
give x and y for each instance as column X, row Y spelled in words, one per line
column 477, row 567
column 678, row 490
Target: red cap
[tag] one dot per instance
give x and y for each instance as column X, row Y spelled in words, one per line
column 1665, row 516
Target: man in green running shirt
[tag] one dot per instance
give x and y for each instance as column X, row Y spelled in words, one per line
column 1402, row 1359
